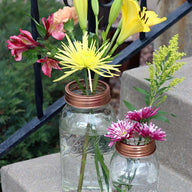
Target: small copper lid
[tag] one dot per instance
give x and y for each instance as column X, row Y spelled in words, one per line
column 135, row 151
column 75, row 98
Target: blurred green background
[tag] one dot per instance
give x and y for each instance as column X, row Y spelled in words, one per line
column 17, row 100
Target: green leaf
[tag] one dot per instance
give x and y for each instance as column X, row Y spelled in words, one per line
column 147, row 100
column 169, row 78
column 161, row 118
column 104, row 35
column 147, row 79
column 97, row 170
column 93, row 38
column 104, row 168
column 162, row 90
column 162, row 112
column 117, row 188
column 173, row 115
column 129, row 106
column 140, row 90
column 69, row 26
column 41, row 30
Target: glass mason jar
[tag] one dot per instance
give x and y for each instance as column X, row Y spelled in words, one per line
column 85, row 154
column 134, row 168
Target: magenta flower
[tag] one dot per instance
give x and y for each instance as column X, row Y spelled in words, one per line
column 22, row 42
column 48, row 65
column 144, row 113
column 150, row 131
column 123, row 129
column 52, row 29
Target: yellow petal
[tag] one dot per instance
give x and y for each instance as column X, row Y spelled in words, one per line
column 79, row 55
column 66, row 74
column 153, row 18
column 130, row 10
column 134, row 20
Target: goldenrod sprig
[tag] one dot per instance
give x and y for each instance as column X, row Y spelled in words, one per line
column 161, row 76
column 163, row 70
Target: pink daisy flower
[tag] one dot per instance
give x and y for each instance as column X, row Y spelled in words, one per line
column 151, row 131
column 123, row 129
column 144, row 113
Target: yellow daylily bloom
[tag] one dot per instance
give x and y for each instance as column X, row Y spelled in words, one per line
column 134, row 20
column 79, row 55
column 81, row 7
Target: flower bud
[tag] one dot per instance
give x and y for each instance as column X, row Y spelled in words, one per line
column 81, row 10
column 95, row 7
column 114, row 11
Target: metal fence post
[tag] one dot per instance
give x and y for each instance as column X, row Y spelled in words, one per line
column 37, row 66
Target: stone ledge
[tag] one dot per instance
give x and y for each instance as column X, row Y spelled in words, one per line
column 36, row 175
column 43, row 175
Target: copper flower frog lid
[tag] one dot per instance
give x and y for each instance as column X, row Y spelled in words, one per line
column 75, row 97
column 135, row 151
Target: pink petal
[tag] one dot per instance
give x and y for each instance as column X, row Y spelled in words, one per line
column 26, row 33
column 58, row 35
column 17, row 54
column 46, row 68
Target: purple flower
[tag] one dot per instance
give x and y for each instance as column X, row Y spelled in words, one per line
column 123, row 129
column 150, row 131
column 144, row 113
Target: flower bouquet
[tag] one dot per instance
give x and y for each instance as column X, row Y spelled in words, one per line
column 134, row 166
column 83, row 57
column 82, row 52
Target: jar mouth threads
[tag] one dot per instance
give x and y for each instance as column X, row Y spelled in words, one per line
column 75, row 97
column 135, row 151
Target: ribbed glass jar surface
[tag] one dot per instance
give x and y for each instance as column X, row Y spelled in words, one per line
column 134, row 168
column 85, row 154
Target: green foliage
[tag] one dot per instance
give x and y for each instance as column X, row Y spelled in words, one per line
column 17, row 101
column 166, row 63
column 161, row 73
column 129, row 106
column 161, row 76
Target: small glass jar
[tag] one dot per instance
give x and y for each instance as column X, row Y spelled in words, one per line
column 134, row 168
column 85, row 154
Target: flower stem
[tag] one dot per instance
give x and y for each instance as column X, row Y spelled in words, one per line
column 97, row 169
column 86, row 82
column 113, row 49
column 95, row 81
column 107, row 31
column 90, row 81
column 83, row 159
column 114, row 36
column 80, row 86
column 113, row 40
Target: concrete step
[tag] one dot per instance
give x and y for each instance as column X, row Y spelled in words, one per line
column 43, row 175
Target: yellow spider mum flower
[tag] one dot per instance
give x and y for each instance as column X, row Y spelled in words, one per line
column 79, row 55
column 134, row 20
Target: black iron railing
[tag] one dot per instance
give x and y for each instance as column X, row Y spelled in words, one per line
column 127, row 53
